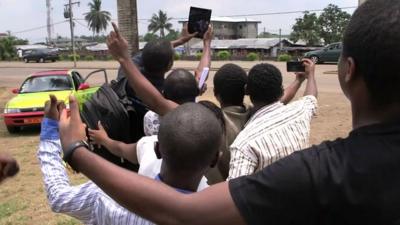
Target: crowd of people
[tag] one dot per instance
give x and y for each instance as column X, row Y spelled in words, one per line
column 200, row 163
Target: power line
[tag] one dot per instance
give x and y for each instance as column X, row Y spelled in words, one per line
column 38, row 28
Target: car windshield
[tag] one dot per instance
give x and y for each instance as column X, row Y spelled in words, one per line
column 46, row 83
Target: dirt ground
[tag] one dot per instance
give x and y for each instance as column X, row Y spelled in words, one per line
column 23, row 200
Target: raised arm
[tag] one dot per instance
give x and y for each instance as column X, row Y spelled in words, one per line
column 291, row 90
column 184, row 38
column 311, row 87
column 148, row 198
column 118, row 47
column 118, row 148
column 205, row 60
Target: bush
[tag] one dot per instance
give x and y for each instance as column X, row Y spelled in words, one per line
column 284, row 58
column 109, row 58
column 223, row 55
column 71, row 57
column 89, row 58
column 177, row 56
column 252, row 56
column 199, row 55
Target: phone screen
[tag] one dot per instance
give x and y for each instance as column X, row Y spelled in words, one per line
column 297, row 66
column 199, row 19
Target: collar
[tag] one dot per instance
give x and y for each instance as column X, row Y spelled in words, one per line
column 378, row 128
column 158, row 178
column 264, row 110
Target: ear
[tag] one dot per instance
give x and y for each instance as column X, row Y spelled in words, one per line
column 350, row 73
column 157, row 150
column 215, row 160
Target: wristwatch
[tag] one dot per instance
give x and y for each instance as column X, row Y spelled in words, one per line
column 71, row 149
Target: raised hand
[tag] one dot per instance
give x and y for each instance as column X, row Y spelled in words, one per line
column 309, row 69
column 71, row 127
column 185, row 35
column 53, row 108
column 117, row 45
column 208, row 36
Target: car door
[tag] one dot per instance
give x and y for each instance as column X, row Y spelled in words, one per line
column 84, row 90
column 334, row 52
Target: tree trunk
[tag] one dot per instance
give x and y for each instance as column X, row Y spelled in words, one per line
column 128, row 23
column 162, row 34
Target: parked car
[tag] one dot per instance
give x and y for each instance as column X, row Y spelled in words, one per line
column 330, row 53
column 40, row 55
column 27, row 108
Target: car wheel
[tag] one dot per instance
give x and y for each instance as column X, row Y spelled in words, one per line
column 41, row 60
column 13, row 130
column 26, row 60
column 315, row 59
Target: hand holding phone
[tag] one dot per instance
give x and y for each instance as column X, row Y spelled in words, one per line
column 199, row 20
column 295, row 66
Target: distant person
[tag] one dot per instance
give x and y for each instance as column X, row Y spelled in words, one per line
column 182, row 154
column 19, row 53
column 274, row 130
column 352, row 180
column 229, row 89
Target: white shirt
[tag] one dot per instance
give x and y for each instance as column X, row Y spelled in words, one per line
column 272, row 133
column 150, row 165
column 151, row 123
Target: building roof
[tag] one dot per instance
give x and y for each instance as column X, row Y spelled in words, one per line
column 103, row 47
column 245, row 43
column 3, row 34
column 29, row 47
column 228, row 19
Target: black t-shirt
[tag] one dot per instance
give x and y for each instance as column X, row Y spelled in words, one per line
column 355, row 180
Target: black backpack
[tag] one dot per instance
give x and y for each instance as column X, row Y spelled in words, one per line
column 121, row 115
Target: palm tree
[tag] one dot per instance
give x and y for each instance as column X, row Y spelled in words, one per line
column 96, row 18
column 128, row 23
column 159, row 23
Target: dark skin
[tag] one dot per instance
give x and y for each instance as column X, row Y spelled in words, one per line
column 163, row 205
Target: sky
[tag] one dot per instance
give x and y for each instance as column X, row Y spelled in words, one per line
column 18, row 16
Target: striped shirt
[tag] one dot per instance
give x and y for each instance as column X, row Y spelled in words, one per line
column 273, row 132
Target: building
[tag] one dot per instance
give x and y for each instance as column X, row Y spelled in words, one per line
column 3, row 35
column 233, row 28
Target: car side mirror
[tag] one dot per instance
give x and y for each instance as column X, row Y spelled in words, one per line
column 84, row 86
column 15, row 90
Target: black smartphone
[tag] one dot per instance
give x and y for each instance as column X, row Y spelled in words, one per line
column 295, row 66
column 199, row 19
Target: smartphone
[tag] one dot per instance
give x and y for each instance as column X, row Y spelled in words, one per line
column 295, row 66
column 199, row 20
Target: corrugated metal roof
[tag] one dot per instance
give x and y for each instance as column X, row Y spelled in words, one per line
column 103, row 47
column 228, row 19
column 247, row 43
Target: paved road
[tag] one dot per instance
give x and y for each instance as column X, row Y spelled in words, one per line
column 12, row 74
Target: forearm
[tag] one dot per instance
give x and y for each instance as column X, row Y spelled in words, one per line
column 145, row 90
column 121, row 149
column 291, row 91
column 311, row 88
column 177, row 42
column 205, row 60
column 154, row 200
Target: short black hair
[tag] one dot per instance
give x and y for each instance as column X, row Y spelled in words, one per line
column 264, row 83
column 189, row 138
column 180, row 86
column 158, row 56
column 229, row 84
column 372, row 39
column 216, row 110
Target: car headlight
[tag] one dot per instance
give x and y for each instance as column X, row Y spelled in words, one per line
column 10, row 110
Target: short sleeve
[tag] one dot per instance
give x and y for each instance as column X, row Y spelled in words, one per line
column 282, row 193
column 310, row 104
column 144, row 145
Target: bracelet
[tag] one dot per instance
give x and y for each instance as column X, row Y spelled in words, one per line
column 71, row 149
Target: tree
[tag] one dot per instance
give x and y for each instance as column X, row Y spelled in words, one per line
column 160, row 22
column 96, row 18
column 127, row 22
column 306, row 29
column 172, row 35
column 148, row 37
column 332, row 22
column 7, row 47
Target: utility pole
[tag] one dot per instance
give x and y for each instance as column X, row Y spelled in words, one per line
column 71, row 25
column 280, row 40
column 50, row 26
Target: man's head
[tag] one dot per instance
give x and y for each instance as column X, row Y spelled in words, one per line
column 158, row 56
column 229, row 85
column 368, row 67
column 181, row 86
column 189, row 139
column 264, row 84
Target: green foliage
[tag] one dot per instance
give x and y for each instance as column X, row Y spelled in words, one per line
column 199, row 55
column 252, row 56
column 89, row 58
column 71, row 57
column 149, row 37
column 172, row 35
column 329, row 26
column 306, row 29
column 177, row 56
column 160, row 22
column 224, row 55
column 10, row 207
column 109, row 58
column 332, row 23
column 69, row 221
column 284, row 58
column 7, row 47
column 96, row 18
